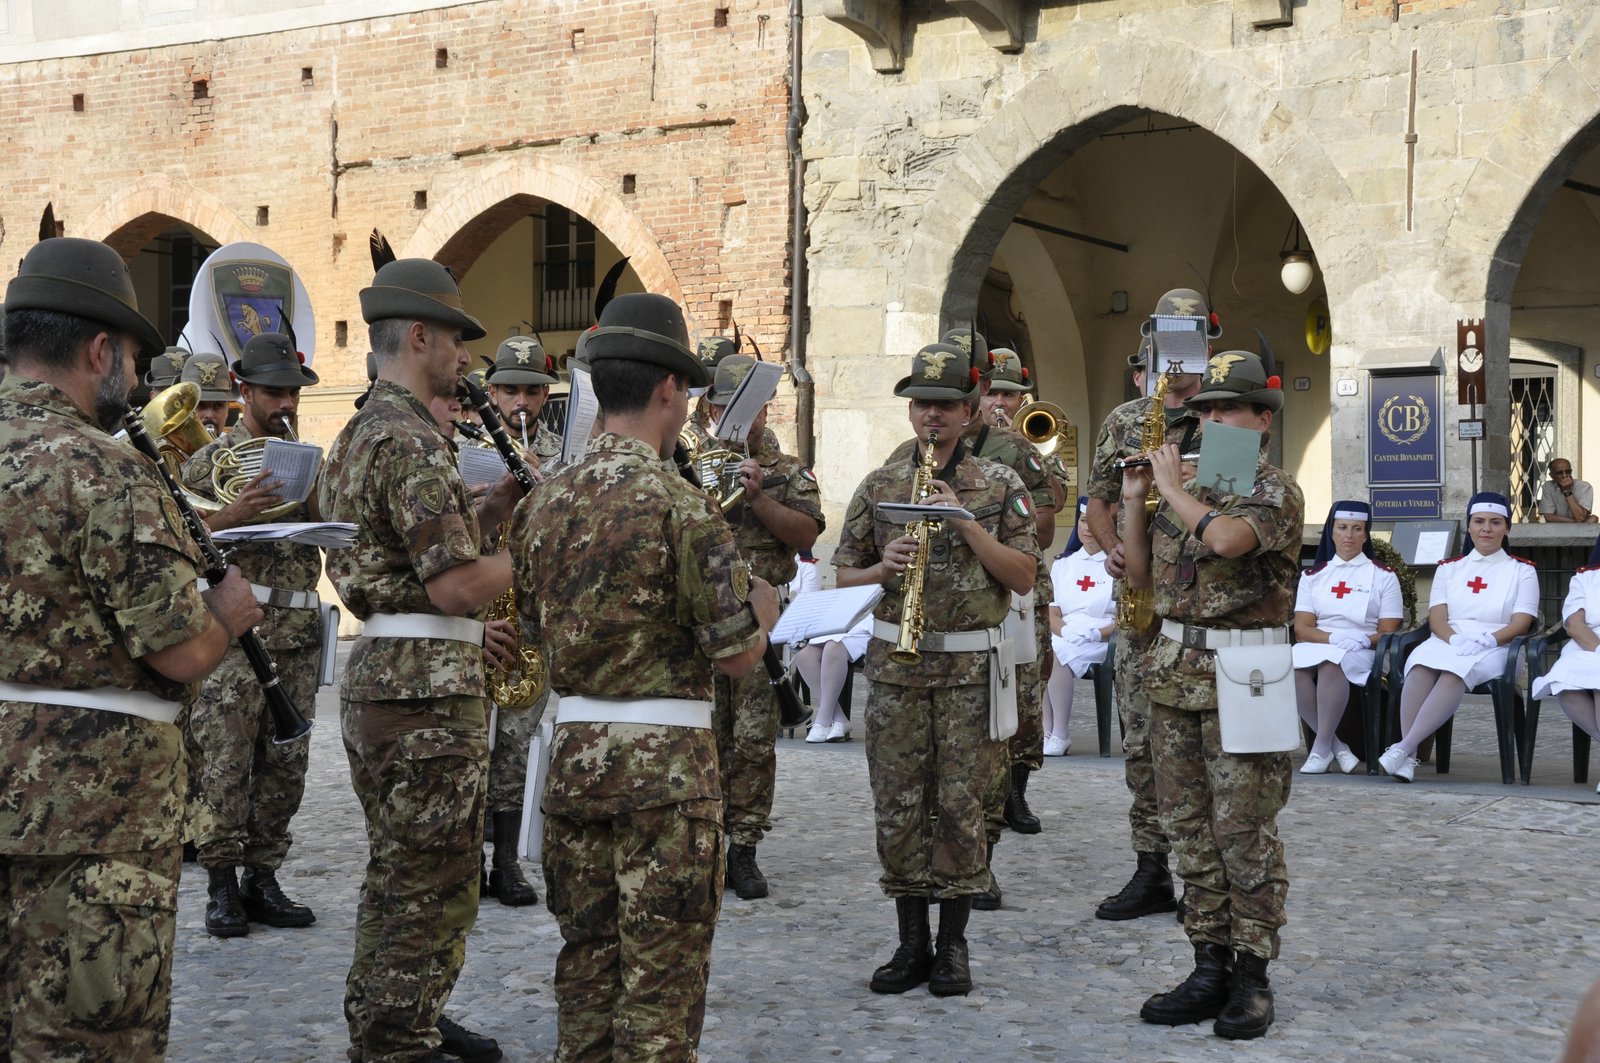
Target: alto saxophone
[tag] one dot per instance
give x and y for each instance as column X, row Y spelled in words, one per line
column 913, row 613
column 522, row 686
column 1136, row 608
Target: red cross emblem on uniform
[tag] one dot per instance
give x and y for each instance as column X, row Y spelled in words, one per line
column 1341, row 590
column 1477, row 584
column 1085, row 583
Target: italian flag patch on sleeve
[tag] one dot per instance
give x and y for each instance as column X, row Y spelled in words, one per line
column 1021, row 505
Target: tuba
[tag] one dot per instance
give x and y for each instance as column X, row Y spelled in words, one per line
column 913, row 613
column 1136, row 608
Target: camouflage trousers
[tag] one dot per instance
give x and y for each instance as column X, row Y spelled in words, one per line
column 1026, row 747
column 928, row 752
column 508, row 760
column 1137, row 769
column 636, row 896
column 247, row 788
column 745, row 718
column 86, row 945
column 418, row 769
column 1221, row 812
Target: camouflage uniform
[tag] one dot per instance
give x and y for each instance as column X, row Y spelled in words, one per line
column 928, row 747
column 414, row 721
column 1220, row 809
column 249, row 786
column 746, row 719
column 99, row 572
column 1122, row 436
column 627, row 574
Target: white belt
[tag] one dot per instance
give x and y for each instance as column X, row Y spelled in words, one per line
column 423, row 626
column 662, row 712
column 107, row 699
column 277, row 597
column 941, row 641
column 1212, row 638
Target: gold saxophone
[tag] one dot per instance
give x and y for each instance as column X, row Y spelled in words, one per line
column 1136, row 609
column 523, row 685
column 913, row 614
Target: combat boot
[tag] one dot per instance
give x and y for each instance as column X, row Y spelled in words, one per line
column 912, row 960
column 461, row 1043
column 951, row 976
column 264, row 901
column 1149, row 891
column 225, row 917
column 1198, row 997
column 506, row 881
column 989, row 899
column 1249, row 1009
column 1018, row 816
column 743, row 874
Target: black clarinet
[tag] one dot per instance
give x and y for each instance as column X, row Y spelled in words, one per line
column 497, row 432
column 287, row 723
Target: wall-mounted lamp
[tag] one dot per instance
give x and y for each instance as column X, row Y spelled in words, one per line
column 1297, row 271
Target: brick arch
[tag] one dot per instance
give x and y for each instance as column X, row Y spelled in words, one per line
column 462, row 226
column 131, row 218
column 1061, row 110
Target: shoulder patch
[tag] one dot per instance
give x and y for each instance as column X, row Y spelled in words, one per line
column 1525, row 561
column 1447, row 560
column 1384, row 567
column 1315, row 570
column 1021, row 505
column 741, row 581
column 809, row 475
column 431, row 492
column 1588, row 568
column 1034, row 463
column 858, row 506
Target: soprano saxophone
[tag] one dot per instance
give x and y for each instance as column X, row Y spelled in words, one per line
column 1136, row 608
column 913, row 613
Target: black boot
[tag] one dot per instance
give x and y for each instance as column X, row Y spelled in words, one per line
column 464, row 1044
column 912, row 960
column 950, row 976
column 743, row 874
column 1018, row 816
column 1249, row 1009
column 989, row 899
column 506, row 881
column 264, row 901
column 1198, row 997
column 1149, row 891
column 224, row 916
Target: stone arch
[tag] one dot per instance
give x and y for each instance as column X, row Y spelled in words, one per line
column 129, row 219
column 1095, row 89
column 499, row 195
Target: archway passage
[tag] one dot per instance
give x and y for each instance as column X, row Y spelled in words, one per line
column 164, row 255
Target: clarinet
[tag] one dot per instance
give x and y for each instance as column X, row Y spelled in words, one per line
column 287, row 723
column 497, row 431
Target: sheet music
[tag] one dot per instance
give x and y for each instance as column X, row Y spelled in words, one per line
column 831, row 612
column 479, row 465
column 1179, row 345
column 328, row 534
column 582, row 410
column 906, row 512
column 293, row 465
column 754, row 392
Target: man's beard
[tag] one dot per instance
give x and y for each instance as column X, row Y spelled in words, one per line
column 111, row 396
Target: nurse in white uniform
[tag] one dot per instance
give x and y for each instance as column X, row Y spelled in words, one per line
column 1480, row 602
column 1575, row 677
column 1345, row 601
column 1082, row 617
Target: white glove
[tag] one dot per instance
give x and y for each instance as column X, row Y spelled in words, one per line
column 1078, row 636
column 1350, row 641
column 1462, row 642
column 1486, row 640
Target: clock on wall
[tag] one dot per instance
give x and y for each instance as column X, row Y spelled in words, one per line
column 1470, row 376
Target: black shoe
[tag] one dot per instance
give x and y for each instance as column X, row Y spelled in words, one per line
column 743, row 874
column 506, row 882
column 225, row 917
column 464, row 1044
column 191, row 855
column 1198, row 997
column 1149, row 891
column 989, row 899
column 912, row 960
column 1018, row 816
column 264, row 901
column 951, row 976
column 1249, row 1009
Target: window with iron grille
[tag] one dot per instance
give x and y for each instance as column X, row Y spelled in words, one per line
column 567, row 299
column 1533, row 440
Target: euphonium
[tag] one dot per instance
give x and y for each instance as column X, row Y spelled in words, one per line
column 913, row 613
column 717, row 468
column 1136, row 609
column 233, row 467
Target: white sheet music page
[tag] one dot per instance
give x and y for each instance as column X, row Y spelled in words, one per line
column 293, row 465
column 479, row 465
column 582, row 410
column 753, row 392
column 831, row 612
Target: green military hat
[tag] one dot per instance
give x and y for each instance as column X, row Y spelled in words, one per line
column 417, row 289
column 731, row 372
column 521, row 360
column 210, row 372
column 713, row 349
column 271, row 361
column 940, row 371
column 165, row 367
column 84, row 278
column 1009, row 372
column 479, row 377
column 1140, row 358
column 1238, row 375
column 642, row 327
column 975, row 344
column 1185, row 302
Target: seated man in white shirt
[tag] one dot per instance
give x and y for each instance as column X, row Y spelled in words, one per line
column 1565, row 500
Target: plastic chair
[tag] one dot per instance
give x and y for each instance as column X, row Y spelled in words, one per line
column 1104, row 678
column 1361, row 724
column 1542, row 649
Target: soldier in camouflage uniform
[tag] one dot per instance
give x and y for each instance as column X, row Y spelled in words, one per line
column 209, row 372
column 412, row 701
column 103, row 630
column 1149, row 890
column 250, row 787
column 630, row 578
column 929, row 755
column 781, row 514
column 519, row 382
column 165, row 369
column 1224, row 570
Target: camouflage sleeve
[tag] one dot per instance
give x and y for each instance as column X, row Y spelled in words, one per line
column 804, row 496
column 426, row 508
column 1036, row 478
column 1275, row 511
column 196, row 474
column 1105, row 482
column 857, row 547
column 1018, row 527
column 713, row 586
column 901, row 453
column 141, row 564
column 523, row 559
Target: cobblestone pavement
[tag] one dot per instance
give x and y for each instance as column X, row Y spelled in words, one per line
column 1453, row 919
